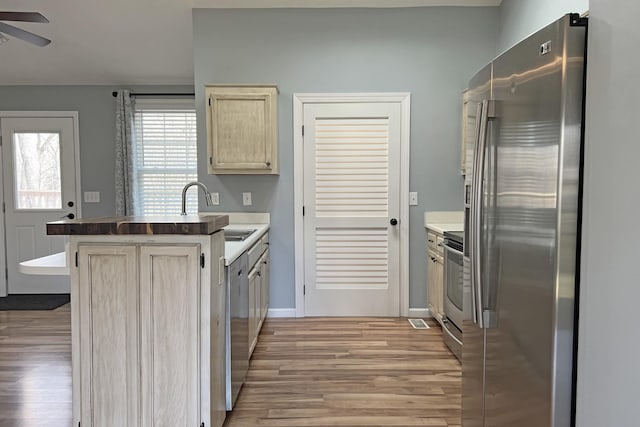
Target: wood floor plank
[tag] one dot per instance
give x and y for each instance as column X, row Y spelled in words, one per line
column 35, row 368
column 349, row 372
column 342, row 372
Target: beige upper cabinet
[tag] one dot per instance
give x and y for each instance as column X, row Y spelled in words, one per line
column 242, row 129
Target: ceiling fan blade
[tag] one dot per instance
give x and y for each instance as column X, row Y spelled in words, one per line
column 23, row 35
column 23, row 17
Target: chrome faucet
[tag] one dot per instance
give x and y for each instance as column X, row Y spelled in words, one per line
column 207, row 195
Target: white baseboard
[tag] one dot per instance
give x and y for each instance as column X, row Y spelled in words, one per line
column 281, row 312
column 419, row 313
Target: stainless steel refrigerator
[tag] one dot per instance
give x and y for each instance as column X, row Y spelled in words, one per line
column 522, row 231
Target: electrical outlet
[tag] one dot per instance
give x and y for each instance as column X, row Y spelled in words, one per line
column 92, row 197
column 413, row 198
column 246, row 198
column 215, row 199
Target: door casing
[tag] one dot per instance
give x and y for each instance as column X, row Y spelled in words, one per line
column 299, row 99
column 73, row 115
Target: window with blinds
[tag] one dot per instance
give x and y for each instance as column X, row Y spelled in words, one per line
column 165, row 156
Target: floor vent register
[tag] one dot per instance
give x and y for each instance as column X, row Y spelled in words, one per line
column 418, row 324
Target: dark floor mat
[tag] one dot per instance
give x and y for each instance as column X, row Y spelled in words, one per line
column 33, row 301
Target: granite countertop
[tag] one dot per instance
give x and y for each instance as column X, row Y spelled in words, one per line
column 150, row 225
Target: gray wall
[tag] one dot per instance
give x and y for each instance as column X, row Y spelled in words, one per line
column 96, row 122
column 430, row 52
column 521, row 18
column 609, row 343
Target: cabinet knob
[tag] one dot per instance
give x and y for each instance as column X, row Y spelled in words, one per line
column 268, row 163
column 393, row 221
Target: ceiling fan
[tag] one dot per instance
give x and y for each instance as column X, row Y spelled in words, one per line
column 20, row 33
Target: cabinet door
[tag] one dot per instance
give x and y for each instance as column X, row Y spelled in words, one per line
column 431, row 285
column 439, row 282
column 242, row 129
column 170, row 339
column 435, row 285
column 264, row 284
column 253, row 298
column 108, row 327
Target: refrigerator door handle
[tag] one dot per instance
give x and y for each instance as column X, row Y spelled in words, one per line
column 476, row 315
column 487, row 110
column 472, row 222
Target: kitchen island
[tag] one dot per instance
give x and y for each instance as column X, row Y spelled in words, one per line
column 147, row 312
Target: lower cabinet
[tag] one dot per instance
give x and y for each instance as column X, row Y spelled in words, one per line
column 150, row 339
column 265, row 271
column 435, row 282
column 435, row 273
column 109, row 336
column 170, row 339
column 254, row 304
column 258, row 298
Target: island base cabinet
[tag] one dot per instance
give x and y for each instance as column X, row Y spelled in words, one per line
column 109, row 319
column 170, row 342
column 144, row 325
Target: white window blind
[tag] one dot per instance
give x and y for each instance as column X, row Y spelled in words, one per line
column 165, row 156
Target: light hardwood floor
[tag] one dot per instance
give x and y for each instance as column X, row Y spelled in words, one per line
column 35, row 368
column 349, row 372
column 304, row 372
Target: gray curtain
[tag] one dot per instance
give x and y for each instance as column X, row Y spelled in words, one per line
column 125, row 178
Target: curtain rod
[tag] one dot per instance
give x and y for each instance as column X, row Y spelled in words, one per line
column 156, row 94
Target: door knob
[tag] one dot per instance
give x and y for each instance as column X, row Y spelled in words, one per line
column 69, row 216
column 393, row 221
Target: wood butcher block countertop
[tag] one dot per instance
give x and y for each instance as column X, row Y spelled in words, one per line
column 150, row 225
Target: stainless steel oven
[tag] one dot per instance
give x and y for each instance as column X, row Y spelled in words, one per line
column 457, row 297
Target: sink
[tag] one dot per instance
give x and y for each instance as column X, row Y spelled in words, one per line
column 237, row 235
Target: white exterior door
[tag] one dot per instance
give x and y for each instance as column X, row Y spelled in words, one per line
column 352, row 206
column 39, row 184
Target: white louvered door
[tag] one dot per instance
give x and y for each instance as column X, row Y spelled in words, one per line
column 351, row 194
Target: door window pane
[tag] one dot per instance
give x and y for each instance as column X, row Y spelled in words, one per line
column 37, row 170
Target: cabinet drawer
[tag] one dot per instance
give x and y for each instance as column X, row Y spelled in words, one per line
column 265, row 241
column 431, row 240
column 254, row 253
column 434, row 256
column 439, row 242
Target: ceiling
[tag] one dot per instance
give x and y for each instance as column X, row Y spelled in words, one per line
column 131, row 41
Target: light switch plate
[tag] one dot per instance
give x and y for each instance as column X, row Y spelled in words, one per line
column 215, row 199
column 92, row 197
column 246, row 199
column 413, row 198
